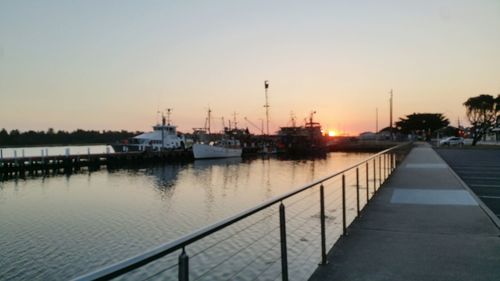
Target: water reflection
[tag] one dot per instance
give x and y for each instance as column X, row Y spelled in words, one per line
column 208, row 163
column 165, row 178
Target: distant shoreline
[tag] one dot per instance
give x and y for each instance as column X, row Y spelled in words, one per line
column 51, row 137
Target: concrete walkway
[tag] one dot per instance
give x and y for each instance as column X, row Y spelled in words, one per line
column 423, row 224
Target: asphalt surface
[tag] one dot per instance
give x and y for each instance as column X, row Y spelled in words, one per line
column 480, row 170
column 423, row 224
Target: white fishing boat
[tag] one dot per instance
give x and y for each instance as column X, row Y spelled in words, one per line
column 164, row 136
column 220, row 149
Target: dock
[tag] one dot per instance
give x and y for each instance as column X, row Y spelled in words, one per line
column 424, row 223
column 43, row 165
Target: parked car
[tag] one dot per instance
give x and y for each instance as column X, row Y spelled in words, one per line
column 452, row 141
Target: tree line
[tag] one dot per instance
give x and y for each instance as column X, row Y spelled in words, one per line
column 483, row 113
column 51, row 137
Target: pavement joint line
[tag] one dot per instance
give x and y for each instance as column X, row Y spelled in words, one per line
column 493, row 217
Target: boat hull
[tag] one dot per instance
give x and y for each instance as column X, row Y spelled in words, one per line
column 124, row 147
column 205, row 151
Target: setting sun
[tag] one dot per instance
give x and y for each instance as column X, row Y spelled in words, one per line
column 332, row 133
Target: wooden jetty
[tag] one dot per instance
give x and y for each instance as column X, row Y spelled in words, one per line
column 43, row 165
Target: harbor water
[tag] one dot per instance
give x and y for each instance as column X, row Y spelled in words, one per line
column 63, row 226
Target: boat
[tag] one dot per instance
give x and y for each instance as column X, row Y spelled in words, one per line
column 222, row 145
column 224, row 148
column 163, row 137
column 302, row 140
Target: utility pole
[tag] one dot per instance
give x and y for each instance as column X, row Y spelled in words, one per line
column 390, row 116
column 266, row 86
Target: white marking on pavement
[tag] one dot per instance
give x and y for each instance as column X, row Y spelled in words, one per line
column 484, row 185
column 427, row 166
column 481, row 178
column 489, row 197
column 432, row 197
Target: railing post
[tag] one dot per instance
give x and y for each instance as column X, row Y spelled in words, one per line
column 183, row 266
column 393, row 162
column 388, row 165
column 379, row 171
column 385, row 167
column 357, row 189
column 344, row 225
column 374, row 175
column 284, row 259
column 323, row 228
column 367, row 182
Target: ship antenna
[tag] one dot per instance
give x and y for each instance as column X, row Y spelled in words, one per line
column 169, row 111
column 292, row 118
column 266, row 86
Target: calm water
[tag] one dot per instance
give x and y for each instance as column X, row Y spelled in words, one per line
column 63, row 226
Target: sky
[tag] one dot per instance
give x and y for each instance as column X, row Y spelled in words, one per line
column 112, row 65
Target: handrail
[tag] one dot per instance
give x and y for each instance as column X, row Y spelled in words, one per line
column 137, row 261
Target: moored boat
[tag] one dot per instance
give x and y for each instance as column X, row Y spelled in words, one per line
column 302, row 139
column 163, row 137
column 220, row 149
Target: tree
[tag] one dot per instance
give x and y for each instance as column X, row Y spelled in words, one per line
column 422, row 123
column 4, row 136
column 482, row 112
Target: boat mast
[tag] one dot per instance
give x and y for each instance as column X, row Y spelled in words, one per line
column 169, row 111
column 209, row 117
column 162, row 131
column 311, row 118
column 266, row 86
column 234, row 120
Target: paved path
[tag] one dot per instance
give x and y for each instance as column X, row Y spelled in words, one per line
column 422, row 225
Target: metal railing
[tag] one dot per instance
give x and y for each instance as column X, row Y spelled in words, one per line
column 377, row 169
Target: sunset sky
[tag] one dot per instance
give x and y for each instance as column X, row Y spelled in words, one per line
column 112, row 64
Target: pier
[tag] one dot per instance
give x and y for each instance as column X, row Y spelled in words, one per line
column 424, row 224
column 42, row 165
